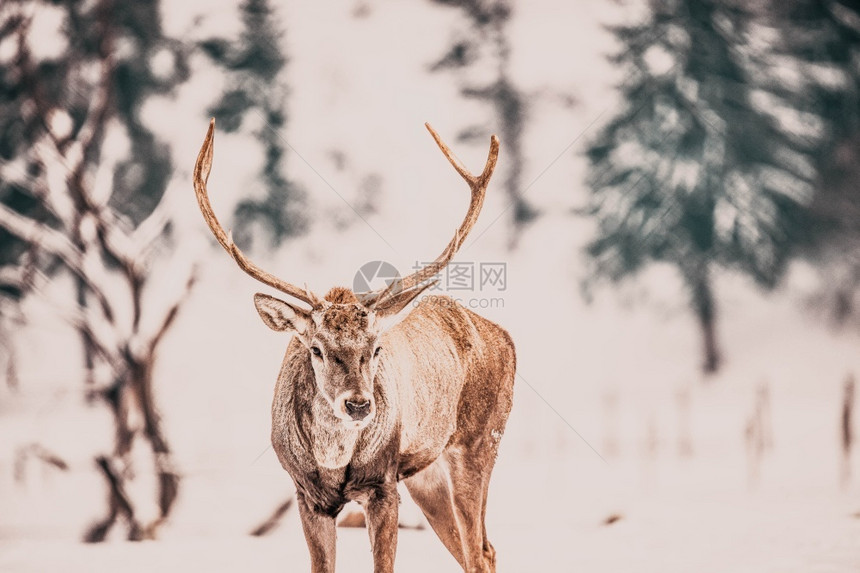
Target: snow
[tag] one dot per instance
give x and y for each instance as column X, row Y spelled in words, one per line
column 551, row 492
column 709, row 530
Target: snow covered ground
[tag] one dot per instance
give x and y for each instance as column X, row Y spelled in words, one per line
column 708, row 535
column 538, row 522
column 596, row 424
column 551, row 494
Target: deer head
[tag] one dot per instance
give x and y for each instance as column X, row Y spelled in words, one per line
column 342, row 331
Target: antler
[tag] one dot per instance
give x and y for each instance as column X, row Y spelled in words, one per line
column 201, row 176
column 478, row 185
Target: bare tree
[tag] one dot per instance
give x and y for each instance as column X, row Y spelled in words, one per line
column 758, row 433
column 89, row 223
column 97, row 247
column 846, row 434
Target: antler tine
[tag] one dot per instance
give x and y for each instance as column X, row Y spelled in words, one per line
column 201, row 176
column 478, row 185
column 473, row 181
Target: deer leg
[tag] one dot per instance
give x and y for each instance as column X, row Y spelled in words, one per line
column 320, row 534
column 467, row 469
column 489, row 550
column 382, row 517
column 429, row 489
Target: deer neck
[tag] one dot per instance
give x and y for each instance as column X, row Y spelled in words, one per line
column 333, row 444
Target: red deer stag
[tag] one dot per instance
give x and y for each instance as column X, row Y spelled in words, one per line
column 367, row 396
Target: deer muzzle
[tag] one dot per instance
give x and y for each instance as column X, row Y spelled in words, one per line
column 355, row 408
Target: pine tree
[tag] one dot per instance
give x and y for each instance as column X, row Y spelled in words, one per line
column 486, row 42
column 691, row 171
column 820, row 39
column 255, row 65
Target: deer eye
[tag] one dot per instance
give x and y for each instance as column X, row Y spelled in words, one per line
column 316, row 351
column 376, row 352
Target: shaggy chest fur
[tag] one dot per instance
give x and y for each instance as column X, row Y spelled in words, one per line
column 327, row 490
column 332, row 465
column 336, row 466
column 329, row 463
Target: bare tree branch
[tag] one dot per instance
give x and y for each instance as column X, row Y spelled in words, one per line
column 173, row 311
column 273, row 520
column 92, row 132
column 39, row 452
column 119, row 503
column 112, row 356
column 147, row 233
column 57, row 244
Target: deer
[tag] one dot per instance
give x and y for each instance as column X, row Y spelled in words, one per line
column 374, row 390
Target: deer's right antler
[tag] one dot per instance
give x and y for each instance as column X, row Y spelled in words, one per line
column 201, row 176
column 478, row 185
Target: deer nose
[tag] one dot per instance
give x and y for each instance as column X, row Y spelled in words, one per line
column 358, row 407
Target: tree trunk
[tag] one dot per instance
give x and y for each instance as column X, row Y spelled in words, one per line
column 168, row 478
column 134, row 392
column 704, row 306
column 89, row 351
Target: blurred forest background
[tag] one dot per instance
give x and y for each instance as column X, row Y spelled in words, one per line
column 677, row 210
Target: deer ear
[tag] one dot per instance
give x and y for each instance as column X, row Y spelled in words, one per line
column 393, row 304
column 279, row 315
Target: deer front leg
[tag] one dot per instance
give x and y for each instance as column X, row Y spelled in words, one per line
column 382, row 521
column 320, row 533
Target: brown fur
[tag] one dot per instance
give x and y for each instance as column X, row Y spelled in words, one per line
column 443, row 391
column 359, row 406
column 341, row 295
